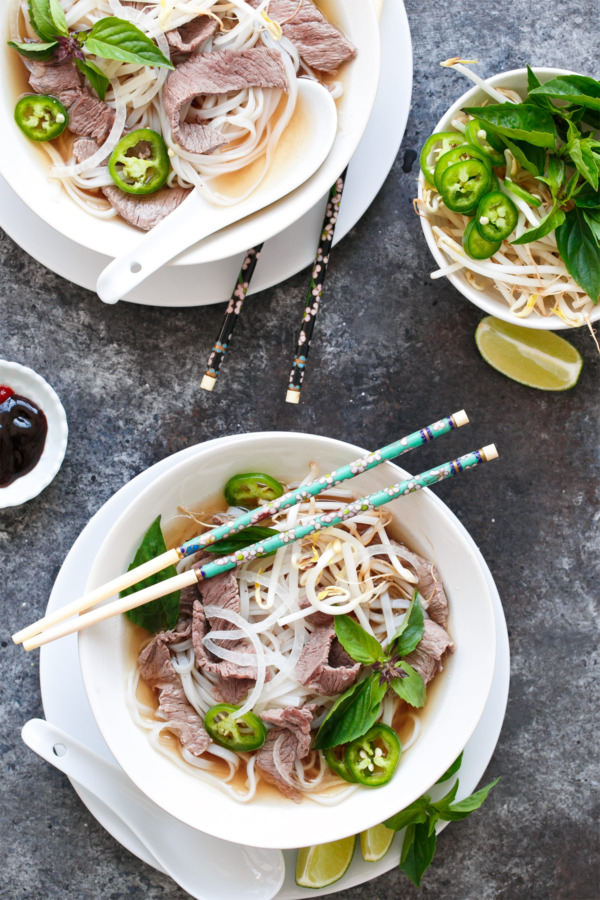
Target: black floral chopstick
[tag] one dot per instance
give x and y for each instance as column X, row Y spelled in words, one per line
column 315, row 290
column 232, row 314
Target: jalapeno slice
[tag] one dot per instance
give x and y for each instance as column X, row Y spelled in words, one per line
column 139, row 164
column 464, row 184
column 41, row 118
column 489, row 143
column 248, row 488
column 496, row 216
column 435, row 146
column 459, row 154
column 372, row 759
column 521, row 193
column 476, row 246
column 335, row 757
column 244, row 733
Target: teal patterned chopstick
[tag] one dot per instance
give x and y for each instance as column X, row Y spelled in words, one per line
column 349, row 511
column 305, row 491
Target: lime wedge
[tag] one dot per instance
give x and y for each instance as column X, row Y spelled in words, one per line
column 375, row 842
column 323, row 864
column 538, row 359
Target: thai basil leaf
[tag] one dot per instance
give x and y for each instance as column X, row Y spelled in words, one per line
column 554, row 218
column 580, row 252
column 531, row 158
column 441, row 805
column 410, row 631
column 417, row 857
column 591, row 117
column 518, row 122
column 588, row 198
column 352, row 714
column 114, row 38
column 451, row 771
column 592, row 217
column 33, row 49
column 57, row 16
column 161, row 614
column 94, row 75
column 572, row 88
column 411, row 815
column 457, row 811
column 41, row 19
column 533, row 82
column 358, row 643
column 242, row 539
column 581, row 154
column 410, row 688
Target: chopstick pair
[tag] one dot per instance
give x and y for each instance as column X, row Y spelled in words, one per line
column 43, row 632
column 315, row 290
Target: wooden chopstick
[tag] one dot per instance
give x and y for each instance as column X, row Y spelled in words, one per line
column 267, row 546
column 172, row 557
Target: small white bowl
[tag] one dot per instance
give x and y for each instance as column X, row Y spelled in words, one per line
column 456, row 703
column 27, row 383
column 24, row 164
column 491, row 301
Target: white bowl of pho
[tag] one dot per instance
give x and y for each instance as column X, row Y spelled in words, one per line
column 107, row 144
column 214, row 707
column 518, row 235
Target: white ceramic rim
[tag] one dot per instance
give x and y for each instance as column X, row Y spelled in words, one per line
column 248, row 824
column 494, row 306
column 358, row 21
column 27, row 383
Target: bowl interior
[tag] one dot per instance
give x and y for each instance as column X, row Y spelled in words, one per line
column 490, row 301
column 455, row 705
column 24, row 165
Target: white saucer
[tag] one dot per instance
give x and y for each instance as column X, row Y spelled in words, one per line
column 29, row 384
column 65, row 702
column 283, row 255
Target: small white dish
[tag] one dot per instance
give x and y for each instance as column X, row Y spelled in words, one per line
column 491, row 301
column 460, row 695
column 27, row 383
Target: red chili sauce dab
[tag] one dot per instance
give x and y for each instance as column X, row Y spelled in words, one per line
column 23, row 430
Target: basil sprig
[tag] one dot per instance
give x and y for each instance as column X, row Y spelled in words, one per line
column 358, row 708
column 420, row 818
column 161, row 614
column 114, row 38
column 242, row 539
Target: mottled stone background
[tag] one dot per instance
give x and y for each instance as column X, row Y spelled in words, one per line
column 392, row 351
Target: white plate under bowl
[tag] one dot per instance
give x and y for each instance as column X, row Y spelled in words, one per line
column 29, row 384
column 65, row 702
column 490, row 300
column 24, row 167
column 452, row 713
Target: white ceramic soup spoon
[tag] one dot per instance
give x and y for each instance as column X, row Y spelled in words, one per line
column 204, row 866
column 196, row 218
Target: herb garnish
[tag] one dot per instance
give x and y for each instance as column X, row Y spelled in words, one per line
column 241, row 539
column 420, row 818
column 109, row 38
column 161, row 614
column 358, row 708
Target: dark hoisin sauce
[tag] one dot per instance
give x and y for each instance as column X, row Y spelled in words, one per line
column 23, row 430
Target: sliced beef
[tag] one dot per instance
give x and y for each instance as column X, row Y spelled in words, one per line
column 157, row 671
column 316, row 618
column 91, row 117
column 205, row 660
column 217, row 73
column 324, row 666
column 221, row 591
column 429, row 585
column 433, row 647
column 189, row 37
column 320, row 45
column 287, row 742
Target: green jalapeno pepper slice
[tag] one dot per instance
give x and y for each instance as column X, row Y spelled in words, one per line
column 41, row 118
column 521, row 193
column 476, row 246
column 490, row 144
column 248, row 488
column 372, row 758
column 496, row 216
column 464, row 184
column 139, row 164
column 459, row 154
column 335, row 757
column 244, row 733
column 441, row 141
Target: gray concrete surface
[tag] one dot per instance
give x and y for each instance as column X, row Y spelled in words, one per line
column 392, row 351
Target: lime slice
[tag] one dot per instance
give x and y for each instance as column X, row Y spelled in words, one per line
column 538, row 359
column 323, row 864
column 375, row 842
